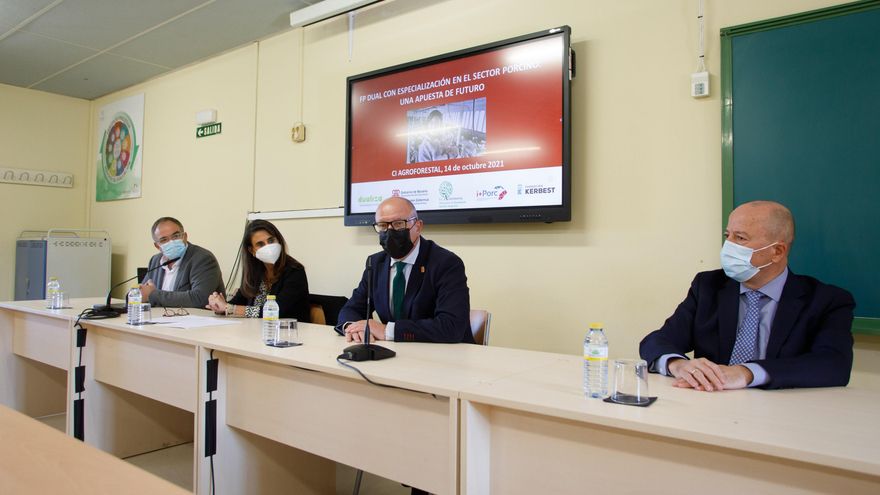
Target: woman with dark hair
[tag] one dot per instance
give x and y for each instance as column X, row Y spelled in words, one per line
column 266, row 269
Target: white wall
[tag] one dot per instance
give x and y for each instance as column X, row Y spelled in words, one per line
column 40, row 131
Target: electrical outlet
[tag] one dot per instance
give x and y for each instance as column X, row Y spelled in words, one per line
column 298, row 132
column 699, row 84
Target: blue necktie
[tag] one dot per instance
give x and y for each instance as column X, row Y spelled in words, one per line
column 746, row 346
column 398, row 288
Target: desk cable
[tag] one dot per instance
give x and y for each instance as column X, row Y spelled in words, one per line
column 79, row 378
column 345, row 355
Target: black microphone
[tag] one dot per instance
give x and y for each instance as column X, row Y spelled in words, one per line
column 367, row 351
column 117, row 309
column 369, row 287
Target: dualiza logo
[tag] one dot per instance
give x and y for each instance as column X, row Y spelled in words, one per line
column 369, row 199
column 445, row 190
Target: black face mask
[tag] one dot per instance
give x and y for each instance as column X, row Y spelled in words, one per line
column 396, row 242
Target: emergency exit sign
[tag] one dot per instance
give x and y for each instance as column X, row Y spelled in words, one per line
column 208, row 130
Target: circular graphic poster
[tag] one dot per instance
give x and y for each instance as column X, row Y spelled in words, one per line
column 120, row 128
column 119, row 148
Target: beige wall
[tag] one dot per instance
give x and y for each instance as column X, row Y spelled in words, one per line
column 647, row 183
column 40, row 131
column 207, row 183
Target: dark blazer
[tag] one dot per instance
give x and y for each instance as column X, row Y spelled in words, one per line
column 198, row 276
column 436, row 306
column 810, row 338
column 291, row 292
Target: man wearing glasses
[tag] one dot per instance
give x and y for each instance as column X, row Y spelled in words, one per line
column 419, row 289
column 185, row 283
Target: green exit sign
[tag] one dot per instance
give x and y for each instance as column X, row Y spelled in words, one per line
column 208, row 130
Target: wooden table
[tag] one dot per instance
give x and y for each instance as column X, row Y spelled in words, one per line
column 463, row 418
column 35, row 357
column 302, row 398
column 34, row 458
column 536, row 433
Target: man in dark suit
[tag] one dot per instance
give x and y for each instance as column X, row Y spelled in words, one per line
column 420, row 290
column 755, row 323
column 185, row 283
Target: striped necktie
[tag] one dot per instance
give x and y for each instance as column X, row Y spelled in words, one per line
column 746, row 346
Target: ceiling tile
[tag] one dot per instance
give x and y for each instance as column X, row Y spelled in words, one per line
column 102, row 23
column 26, row 58
column 99, row 76
column 218, row 27
column 13, row 12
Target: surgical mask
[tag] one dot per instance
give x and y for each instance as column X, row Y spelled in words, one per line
column 396, row 242
column 173, row 249
column 269, row 253
column 737, row 261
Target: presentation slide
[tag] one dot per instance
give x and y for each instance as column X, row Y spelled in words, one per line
column 481, row 131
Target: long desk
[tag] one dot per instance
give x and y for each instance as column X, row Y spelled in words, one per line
column 464, row 419
column 35, row 356
column 34, row 458
column 536, row 433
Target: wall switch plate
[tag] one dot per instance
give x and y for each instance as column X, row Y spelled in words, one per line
column 298, row 132
column 699, row 84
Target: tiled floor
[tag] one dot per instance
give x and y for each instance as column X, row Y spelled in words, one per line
column 174, row 464
column 370, row 484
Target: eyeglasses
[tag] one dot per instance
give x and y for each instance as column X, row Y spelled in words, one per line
column 175, row 312
column 173, row 237
column 395, row 225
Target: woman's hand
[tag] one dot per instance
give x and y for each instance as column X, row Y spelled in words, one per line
column 217, row 303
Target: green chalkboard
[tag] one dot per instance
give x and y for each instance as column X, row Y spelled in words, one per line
column 801, row 125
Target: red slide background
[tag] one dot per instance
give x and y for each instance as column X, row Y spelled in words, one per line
column 523, row 110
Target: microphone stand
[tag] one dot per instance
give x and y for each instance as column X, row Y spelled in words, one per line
column 113, row 310
column 367, row 351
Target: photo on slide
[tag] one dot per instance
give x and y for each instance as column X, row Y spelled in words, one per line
column 443, row 132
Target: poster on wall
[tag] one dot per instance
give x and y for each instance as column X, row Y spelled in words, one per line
column 120, row 150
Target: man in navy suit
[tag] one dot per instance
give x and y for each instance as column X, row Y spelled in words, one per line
column 755, row 323
column 419, row 289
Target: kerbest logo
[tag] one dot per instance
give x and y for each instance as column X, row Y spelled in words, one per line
column 496, row 193
column 535, row 189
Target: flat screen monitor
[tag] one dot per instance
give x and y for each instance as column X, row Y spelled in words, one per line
column 474, row 136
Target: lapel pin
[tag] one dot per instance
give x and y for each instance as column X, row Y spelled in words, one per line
column 423, row 268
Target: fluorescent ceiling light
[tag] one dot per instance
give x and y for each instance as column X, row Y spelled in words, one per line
column 325, row 10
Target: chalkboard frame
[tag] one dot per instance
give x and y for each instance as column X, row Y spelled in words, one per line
column 861, row 325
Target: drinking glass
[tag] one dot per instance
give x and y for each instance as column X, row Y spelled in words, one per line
column 630, row 382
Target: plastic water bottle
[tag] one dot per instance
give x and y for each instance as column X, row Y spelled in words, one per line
column 271, row 325
column 135, row 309
column 54, row 297
column 596, row 362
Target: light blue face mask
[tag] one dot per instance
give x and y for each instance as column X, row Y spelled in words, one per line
column 174, row 249
column 737, row 261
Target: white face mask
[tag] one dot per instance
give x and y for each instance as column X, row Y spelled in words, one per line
column 269, row 253
column 737, row 261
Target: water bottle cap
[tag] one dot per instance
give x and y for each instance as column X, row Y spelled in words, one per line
column 270, row 297
column 597, row 325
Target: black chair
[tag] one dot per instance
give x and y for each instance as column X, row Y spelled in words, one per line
column 325, row 309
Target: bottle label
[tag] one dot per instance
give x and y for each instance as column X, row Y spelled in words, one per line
column 270, row 317
column 133, row 303
column 596, row 354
